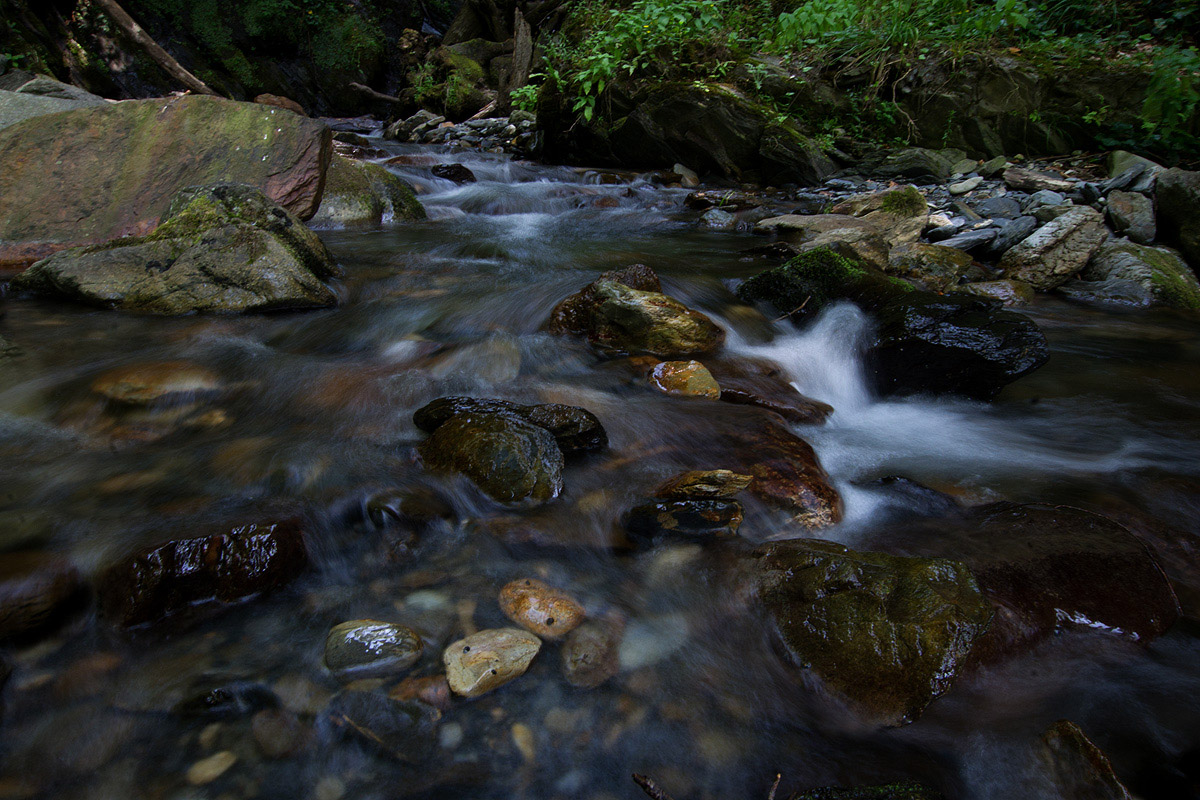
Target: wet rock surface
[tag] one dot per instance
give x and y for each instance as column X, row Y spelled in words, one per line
column 58, row 191
column 540, row 608
column 685, row 519
column 509, row 459
column 405, row 731
column 221, row 248
column 367, row 648
column 489, row 659
column 888, row 633
column 213, row 571
column 1046, row 568
column 627, row 320
column 1077, row 766
column 576, row 430
column 37, row 590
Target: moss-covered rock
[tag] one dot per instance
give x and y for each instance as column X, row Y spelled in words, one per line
column 888, row 633
column 512, row 460
column 91, row 175
column 223, row 248
column 813, row 280
column 1128, row 274
column 626, row 320
column 358, row 193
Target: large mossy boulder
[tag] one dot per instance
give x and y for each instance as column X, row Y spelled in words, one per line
column 358, row 193
column 1127, row 274
column 924, row 342
column 888, row 633
column 224, row 248
column 95, row 174
column 511, row 460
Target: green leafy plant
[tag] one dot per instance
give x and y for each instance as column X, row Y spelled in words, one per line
column 524, row 98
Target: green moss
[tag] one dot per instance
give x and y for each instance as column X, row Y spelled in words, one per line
column 813, row 280
column 907, row 201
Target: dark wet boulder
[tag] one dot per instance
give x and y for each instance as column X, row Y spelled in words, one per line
column 459, row 173
column 573, row 315
column 403, row 729
column 221, row 248
column 209, row 572
column 37, row 591
column 952, row 344
column 924, row 342
column 888, row 633
column 1128, row 274
column 95, row 174
column 576, row 430
column 511, row 460
column 1046, row 567
column 692, row 519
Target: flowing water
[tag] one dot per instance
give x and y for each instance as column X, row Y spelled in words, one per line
column 313, row 413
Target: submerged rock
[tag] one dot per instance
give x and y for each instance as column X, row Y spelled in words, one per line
column 684, row 379
column 576, row 430
column 1078, row 767
column 92, row 175
column 888, row 633
column 222, row 248
column 162, row 381
column 591, row 654
column 541, row 609
column 1054, row 253
column 685, row 519
column 1049, row 567
column 764, row 384
column 367, row 648
column 702, row 484
column 489, row 659
column 573, row 315
column 37, row 591
column 405, row 730
column 627, row 320
column 458, row 173
column 208, row 572
column 508, row 458
column 364, row 194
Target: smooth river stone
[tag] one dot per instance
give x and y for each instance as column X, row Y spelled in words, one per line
column 489, row 659
column 541, row 609
column 367, row 648
column 685, row 379
column 143, row 384
column 697, row 484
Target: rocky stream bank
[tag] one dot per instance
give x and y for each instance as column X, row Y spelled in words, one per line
column 535, row 477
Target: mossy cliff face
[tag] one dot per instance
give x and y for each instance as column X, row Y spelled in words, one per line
column 91, row 175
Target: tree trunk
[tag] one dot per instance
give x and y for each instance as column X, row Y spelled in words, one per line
column 156, row 53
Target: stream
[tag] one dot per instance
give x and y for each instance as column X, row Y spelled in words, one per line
column 312, row 414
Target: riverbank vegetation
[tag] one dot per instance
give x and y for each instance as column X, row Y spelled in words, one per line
column 876, row 44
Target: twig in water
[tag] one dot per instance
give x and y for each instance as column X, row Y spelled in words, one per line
column 795, row 310
column 775, row 786
column 650, row 787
